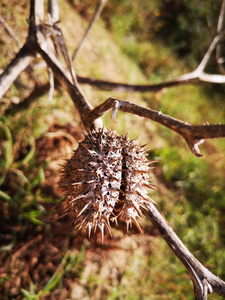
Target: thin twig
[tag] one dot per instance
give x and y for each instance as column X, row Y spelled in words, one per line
column 94, row 18
column 123, row 87
column 220, row 60
column 60, row 45
column 75, row 92
column 10, row 32
column 221, row 18
column 208, row 53
column 80, row 101
column 51, row 84
column 193, row 135
column 53, row 15
column 197, row 74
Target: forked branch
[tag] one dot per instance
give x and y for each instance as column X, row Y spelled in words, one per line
column 193, row 135
column 194, row 76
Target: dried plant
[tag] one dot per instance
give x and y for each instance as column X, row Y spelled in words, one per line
column 107, row 175
column 106, row 179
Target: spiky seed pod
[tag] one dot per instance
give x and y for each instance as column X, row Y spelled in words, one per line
column 135, row 180
column 105, row 179
column 92, row 179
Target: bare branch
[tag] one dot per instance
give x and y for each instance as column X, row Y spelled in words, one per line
column 123, row 87
column 51, row 83
column 36, row 42
column 214, row 78
column 193, row 135
column 221, row 18
column 78, row 98
column 74, row 90
column 26, row 54
column 94, row 18
column 10, row 32
column 188, row 78
column 57, row 36
column 220, row 60
column 23, row 58
column 80, row 101
column 60, row 46
column 53, row 11
column 197, row 74
column 208, row 54
column 204, row 281
column 38, row 12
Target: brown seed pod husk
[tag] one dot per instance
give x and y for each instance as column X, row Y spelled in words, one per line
column 104, row 180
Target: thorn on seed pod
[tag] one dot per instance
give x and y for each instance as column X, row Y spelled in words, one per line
column 106, row 180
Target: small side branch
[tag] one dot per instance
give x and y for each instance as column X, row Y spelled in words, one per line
column 94, row 18
column 193, row 135
column 10, row 32
column 75, row 92
column 203, row 280
column 219, row 57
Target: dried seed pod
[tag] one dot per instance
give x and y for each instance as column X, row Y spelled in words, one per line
column 105, row 179
column 135, row 179
column 92, row 179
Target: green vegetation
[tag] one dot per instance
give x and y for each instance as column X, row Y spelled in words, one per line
column 52, row 258
column 70, row 261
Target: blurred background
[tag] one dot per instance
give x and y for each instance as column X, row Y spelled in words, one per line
column 135, row 42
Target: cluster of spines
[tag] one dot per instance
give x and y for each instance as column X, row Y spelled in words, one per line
column 135, row 182
column 106, row 179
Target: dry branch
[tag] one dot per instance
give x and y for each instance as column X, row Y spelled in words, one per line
column 219, row 57
column 203, row 280
column 94, row 18
column 67, row 78
column 193, row 135
column 22, row 60
column 196, row 75
column 124, row 87
column 53, row 11
column 10, row 32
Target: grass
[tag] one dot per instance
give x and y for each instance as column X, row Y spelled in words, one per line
column 190, row 191
column 69, row 261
